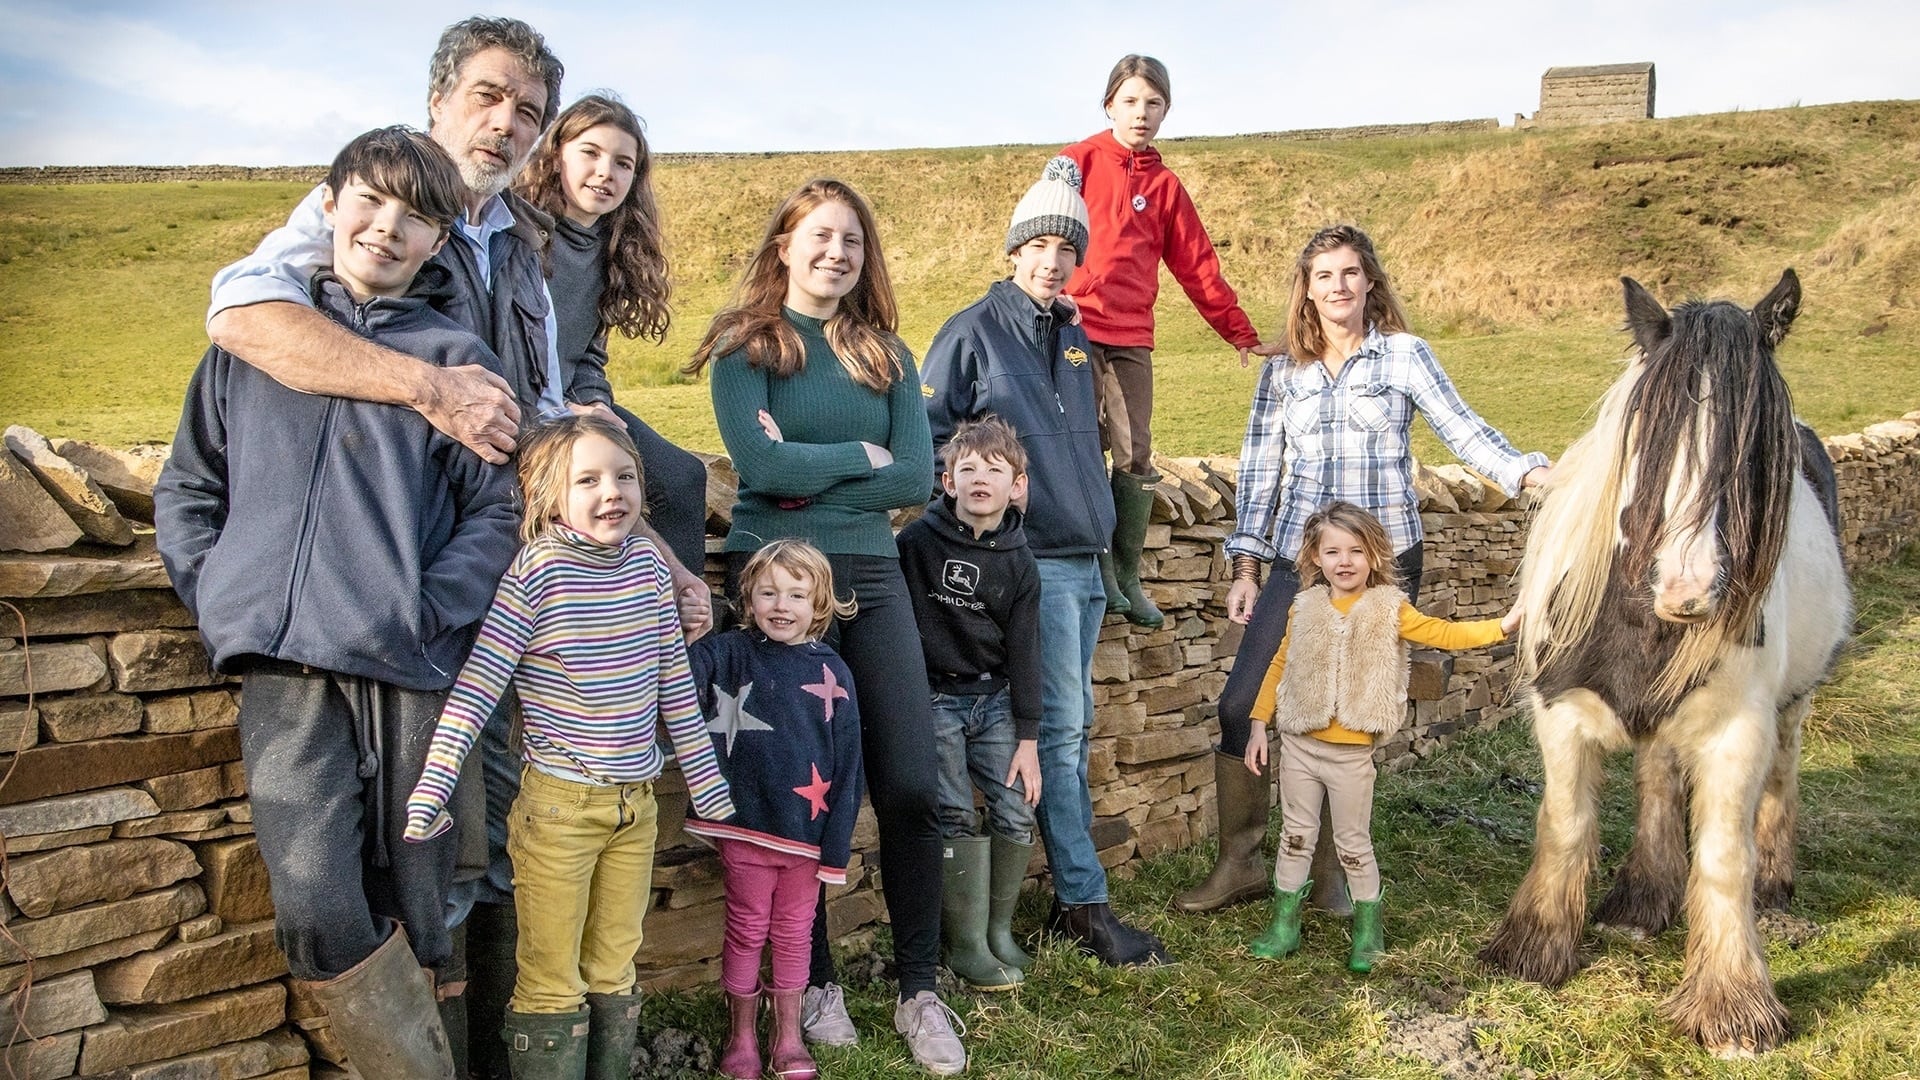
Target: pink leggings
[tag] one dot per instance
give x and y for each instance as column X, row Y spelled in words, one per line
column 770, row 898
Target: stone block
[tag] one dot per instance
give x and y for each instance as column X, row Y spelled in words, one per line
column 59, row 768
column 21, row 845
column 1119, row 719
column 853, row 911
column 42, row 1059
column 62, row 1003
column 159, row 660
column 73, row 877
column 1111, row 661
column 1165, row 699
column 1155, row 661
column 683, row 935
column 1161, row 836
column 138, row 1035
column 1162, row 745
column 187, row 790
column 240, row 811
column 688, row 875
column 57, row 665
column 98, row 613
column 71, row 487
column 79, row 572
column 125, row 476
column 277, row 1053
column 235, row 878
column 19, row 726
column 239, row 956
column 88, row 716
column 13, row 975
column 30, row 519
column 95, row 923
column 1427, row 673
column 200, row 927
column 201, row 711
column 69, row 812
column 176, row 823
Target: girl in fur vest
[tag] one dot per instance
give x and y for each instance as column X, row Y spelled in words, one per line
column 1345, row 689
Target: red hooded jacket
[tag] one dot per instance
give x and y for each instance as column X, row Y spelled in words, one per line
column 1139, row 214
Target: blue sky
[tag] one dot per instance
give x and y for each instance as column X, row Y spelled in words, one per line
column 98, row 82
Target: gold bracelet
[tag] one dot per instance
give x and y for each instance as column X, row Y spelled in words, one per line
column 1246, row 568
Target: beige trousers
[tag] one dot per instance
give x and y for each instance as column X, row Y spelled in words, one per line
column 1309, row 768
column 1123, row 394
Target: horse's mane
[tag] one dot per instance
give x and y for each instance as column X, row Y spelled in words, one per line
column 1605, row 512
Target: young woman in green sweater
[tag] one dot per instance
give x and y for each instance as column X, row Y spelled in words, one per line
column 818, row 402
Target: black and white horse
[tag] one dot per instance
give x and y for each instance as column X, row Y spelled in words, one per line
column 1684, row 595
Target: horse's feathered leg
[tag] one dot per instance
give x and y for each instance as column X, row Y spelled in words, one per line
column 1647, row 890
column 1539, row 939
column 1725, row 999
column 1780, row 811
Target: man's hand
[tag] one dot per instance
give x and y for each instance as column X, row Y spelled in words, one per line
column 694, row 600
column 598, row 409
column 474, row 407
column 1240, row 600
column 1026, row 769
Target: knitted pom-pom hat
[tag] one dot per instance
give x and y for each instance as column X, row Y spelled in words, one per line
column 1052, row 207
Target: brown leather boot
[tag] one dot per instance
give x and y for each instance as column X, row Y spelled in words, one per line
column 787, row 1056
column 741, row 1060
column 1240, row 873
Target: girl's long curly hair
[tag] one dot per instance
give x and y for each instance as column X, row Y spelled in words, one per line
column 635, row 298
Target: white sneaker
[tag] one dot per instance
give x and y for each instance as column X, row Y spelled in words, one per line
column 928, row 1026
column 824, row 1019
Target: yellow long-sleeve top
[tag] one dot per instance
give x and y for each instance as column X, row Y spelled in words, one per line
column 1415, row 626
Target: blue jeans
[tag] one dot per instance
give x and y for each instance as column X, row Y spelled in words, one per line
column 1072, row 603
column 974, row 734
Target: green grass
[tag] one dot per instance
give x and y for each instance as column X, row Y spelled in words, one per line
column 1853, row 989
column 1507, row 246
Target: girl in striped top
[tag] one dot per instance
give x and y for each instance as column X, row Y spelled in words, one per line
column 584, row 627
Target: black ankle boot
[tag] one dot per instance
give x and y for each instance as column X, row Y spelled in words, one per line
column 1103, row 936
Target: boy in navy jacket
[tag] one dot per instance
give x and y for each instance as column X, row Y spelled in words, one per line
column 338, row 555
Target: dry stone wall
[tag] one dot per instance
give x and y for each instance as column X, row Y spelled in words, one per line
column 134, row 885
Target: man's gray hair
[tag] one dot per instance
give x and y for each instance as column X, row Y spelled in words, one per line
column 459, row 42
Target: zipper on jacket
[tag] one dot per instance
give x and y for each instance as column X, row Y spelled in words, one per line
column 304, row 542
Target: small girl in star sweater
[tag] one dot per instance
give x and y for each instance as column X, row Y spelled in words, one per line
column 584, row 627
column 786, row 728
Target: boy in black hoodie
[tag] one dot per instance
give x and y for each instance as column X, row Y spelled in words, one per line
column 337, row 555
column 976, row 597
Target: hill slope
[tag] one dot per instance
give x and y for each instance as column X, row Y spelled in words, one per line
column 1507, row 246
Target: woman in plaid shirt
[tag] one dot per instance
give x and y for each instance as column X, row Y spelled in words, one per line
column 1330, row 421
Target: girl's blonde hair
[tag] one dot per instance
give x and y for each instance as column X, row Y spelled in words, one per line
column 634, row 297
column 864, row 328
column 1146, row 67
column 1373, row 538
column 1306, row 341
column 546, row 461
column 801, row 559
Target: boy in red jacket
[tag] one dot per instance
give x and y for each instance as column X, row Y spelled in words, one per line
column 1139, row 215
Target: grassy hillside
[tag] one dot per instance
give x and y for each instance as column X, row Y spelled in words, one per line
column 1507, row 245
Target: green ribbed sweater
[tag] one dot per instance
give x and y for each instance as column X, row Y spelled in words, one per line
column 824, row 416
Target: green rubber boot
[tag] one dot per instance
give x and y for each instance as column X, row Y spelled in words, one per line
column 1008, row 869
column 547, row 1046
column 1283, row 934
column 1369, row 935
column 963, row 917
column 1117, row 603
column 615, row 1026
column 1132, row 507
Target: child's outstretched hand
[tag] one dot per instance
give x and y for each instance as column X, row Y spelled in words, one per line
column 1026, row 769
column 425, row 820
column 1511, row 621
column 1257, row 748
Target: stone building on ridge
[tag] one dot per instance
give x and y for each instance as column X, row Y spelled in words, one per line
column 1600, row 94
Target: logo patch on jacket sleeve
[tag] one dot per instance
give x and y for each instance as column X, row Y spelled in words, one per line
column 925, row 390
column 1076, row 355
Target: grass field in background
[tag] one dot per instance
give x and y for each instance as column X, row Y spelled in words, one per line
column 1507, row 246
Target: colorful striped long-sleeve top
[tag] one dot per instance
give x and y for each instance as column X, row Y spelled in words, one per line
column 589, row 637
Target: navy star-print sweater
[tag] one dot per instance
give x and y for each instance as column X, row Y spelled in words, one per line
column 786, row 727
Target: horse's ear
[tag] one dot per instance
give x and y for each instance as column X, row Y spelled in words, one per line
column 1646, row 319
column 1776, row 310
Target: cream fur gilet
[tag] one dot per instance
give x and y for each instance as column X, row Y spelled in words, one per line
column 1351, row 666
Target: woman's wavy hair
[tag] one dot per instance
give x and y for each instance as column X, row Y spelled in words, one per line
column 863, row 330
column 635, row 297
column 1306, row 341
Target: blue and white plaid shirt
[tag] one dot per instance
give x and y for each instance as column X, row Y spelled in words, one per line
column 1312, row 439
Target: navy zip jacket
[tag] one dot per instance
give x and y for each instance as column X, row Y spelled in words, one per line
column 1005, row 355
column 976, row 598
column 345, row 535
column 786, row 728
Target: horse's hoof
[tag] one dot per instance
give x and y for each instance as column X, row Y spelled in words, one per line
column 1528, row 953
column 1729, row 1019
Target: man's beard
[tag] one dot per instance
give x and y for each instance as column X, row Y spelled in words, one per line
column 483, row 177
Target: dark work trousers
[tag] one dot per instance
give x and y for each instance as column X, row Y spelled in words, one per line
column 330, row 761
column 881, row 645
column 676, row 485
column 1262, row 640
